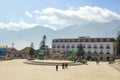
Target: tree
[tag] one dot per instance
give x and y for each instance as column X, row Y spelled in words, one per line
column 70, row 56
column 118, row 44
column 80, row 52
column 31, row 52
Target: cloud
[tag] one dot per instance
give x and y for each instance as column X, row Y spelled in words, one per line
column 28, row 14
column 16, row 26
column 76, row 16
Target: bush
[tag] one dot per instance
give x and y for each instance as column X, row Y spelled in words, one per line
column 84, row 61
column 111, row 62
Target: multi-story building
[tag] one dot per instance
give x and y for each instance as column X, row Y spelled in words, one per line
column 102, row 48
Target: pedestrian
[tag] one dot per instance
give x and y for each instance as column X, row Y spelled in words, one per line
column 97, row 61
column 56, row 67
column 66, row 65
column 63, row 65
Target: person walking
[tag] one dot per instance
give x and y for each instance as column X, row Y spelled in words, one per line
column 56, row 67
column 66, row 65
column 63, row 65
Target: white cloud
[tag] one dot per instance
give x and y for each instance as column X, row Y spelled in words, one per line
column 16, row 26
column 51, row 27
column 76, row 16
column 28, row 14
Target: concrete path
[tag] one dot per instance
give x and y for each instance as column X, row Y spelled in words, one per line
column 18, row 70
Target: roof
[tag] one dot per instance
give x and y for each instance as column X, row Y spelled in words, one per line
column 26, row 50
column 85, row 39
column 11, row 50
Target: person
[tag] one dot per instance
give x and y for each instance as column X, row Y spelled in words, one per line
column 66, row 65
column 63, row 65
column 56, row 67
column 97, row 61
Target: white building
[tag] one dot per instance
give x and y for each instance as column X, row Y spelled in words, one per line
column 101, row 48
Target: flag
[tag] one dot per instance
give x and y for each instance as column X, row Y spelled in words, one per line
column 6, row 46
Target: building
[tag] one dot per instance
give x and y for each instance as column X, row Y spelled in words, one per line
column 94, row 48
column 12, row 53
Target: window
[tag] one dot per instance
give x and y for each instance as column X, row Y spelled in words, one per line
column 84, row 40
column 108, row 40
column 77, row 46
column 83, row 46
column 95, row 52
column 54, row 46
column 89, row 40
column 95, row 47
column 89, row 46
column 73, row 40
column 101, row 52
column 59, row 40
column 63, row 40
column 101, row 40
column 78, row 40
column 95, row 40
column 68, row 40
column 63, row 46
column 89, row 52
column 108, row 47
column 58, row 46
column 101, row 46
column 67, row 46
column 108, row 52
column 73, row 46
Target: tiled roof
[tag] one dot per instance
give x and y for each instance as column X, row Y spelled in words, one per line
column 85, row 40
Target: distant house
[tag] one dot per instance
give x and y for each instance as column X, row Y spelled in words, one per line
column 12, row 53
column 24, row 53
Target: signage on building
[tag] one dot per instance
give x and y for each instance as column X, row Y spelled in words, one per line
column 3, row 49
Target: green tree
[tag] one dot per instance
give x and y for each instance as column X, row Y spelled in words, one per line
column 31, row 52
column 118, row 44
column 80, row 52
column 70, row 55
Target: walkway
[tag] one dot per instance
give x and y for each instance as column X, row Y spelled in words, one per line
column 18, row 70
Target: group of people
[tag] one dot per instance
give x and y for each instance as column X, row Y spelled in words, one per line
column 64, row 66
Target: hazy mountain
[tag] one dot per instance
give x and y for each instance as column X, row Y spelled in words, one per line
column 24, row 38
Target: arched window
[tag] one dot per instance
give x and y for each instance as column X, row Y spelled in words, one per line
column 108, row 46
column 54, row 46
column 95, row 40
column 67, row 46
column 101, row 46
column 83, row 46
column 89, row 46
column 101, row 52
column 95, row 46
column 95, row 52
column 73, row 46
column 89, row 52
column 58, row 46
column 63, row 46
column 107, row 52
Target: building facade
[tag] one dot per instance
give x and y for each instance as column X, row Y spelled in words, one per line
column 100, row 48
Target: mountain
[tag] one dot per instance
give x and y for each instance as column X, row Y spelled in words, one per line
column 23, row 38
column 93, row 30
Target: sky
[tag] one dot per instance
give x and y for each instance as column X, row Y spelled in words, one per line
column 56, row 14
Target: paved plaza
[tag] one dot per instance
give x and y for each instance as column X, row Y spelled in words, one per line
column 18, row 70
